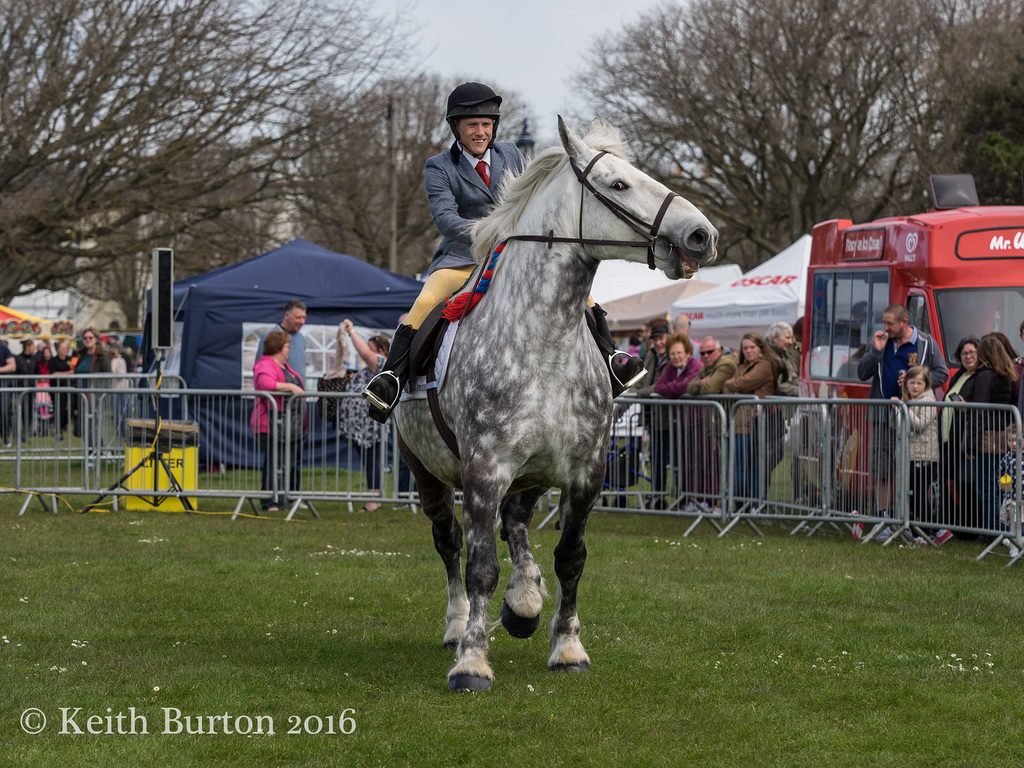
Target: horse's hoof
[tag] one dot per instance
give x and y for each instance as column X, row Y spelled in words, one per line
column 468, row 683
column 582, row 666
column 516, row 625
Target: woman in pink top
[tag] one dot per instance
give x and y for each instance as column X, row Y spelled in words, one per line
column 682, row 368
column 273, row 374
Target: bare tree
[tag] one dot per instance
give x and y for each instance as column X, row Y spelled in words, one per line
column 344, row 201
column 133, row 122
column 777, row 114
column 123, row 280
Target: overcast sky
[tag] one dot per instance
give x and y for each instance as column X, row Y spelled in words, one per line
column 530, row 46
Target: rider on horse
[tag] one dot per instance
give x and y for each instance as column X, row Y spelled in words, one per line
column 462, row 185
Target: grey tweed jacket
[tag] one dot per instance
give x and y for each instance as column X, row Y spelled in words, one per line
column 457, row 196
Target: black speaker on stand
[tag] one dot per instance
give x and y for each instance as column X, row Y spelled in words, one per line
column 162, row 317
column 162, row 339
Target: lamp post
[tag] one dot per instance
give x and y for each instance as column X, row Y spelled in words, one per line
column 392, row 187
column 525, row 142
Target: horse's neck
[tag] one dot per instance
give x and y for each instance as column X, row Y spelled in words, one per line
column 546, row 288
column 560, row 276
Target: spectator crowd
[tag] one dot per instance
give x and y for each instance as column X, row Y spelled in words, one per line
column 49, row 368
column 955, row 460
column 960, row 461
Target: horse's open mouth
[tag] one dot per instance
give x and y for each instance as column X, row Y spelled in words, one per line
column 688, row 262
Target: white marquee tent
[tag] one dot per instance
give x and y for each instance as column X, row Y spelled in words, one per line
column 772, row 291
column 628, row 315
column 617, row 279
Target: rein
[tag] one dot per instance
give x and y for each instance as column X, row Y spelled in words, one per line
column 649, row 232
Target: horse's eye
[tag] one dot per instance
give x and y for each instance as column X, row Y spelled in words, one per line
column 620, row 186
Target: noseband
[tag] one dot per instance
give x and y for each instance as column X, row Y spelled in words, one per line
column 649, row 232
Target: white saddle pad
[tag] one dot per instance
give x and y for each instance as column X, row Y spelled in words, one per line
column 419, row 385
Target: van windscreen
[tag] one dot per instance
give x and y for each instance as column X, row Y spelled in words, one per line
column 977, row 311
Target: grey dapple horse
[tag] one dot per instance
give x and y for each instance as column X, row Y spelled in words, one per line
column 527, row 394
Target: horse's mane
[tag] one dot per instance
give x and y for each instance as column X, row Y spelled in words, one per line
column 517, row 191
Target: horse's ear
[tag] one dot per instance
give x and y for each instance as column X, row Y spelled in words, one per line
column 573, row 144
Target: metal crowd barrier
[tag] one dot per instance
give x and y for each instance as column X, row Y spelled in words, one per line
column 881, row 470
column 103, row 441
column 977, row 488
column 851, row 466
column 350, row 469
column 813, row 462
column 668, row 457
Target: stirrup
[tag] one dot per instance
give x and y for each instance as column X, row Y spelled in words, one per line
column 632, row 379
column 377, row 401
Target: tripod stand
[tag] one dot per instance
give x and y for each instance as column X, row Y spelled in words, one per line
column 154, row 457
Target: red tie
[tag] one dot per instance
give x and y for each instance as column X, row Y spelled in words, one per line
column 481, row 168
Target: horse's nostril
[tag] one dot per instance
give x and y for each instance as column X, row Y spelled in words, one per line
column 698, row 240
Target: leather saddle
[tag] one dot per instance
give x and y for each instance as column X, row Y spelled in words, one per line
column 423, row 354
column 426, row 344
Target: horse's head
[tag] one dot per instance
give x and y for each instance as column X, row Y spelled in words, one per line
column 626, row 204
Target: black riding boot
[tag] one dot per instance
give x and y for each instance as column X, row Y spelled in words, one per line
column 625, row 369
column 384, row 389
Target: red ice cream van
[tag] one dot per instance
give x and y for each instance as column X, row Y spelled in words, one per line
column 959, row 270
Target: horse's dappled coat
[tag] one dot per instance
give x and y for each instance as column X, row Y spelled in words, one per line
column 528, row 395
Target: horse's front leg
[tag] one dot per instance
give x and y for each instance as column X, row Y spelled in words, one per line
column 570, row 556
column 525, row 593
column 472, row 672
column 448, row 543
column 438, row 503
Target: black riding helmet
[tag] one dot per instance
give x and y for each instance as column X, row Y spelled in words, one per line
column 473, row 100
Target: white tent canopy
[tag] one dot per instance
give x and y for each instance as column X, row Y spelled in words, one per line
column 628, row 315
column 617, row 279
column 772, row 291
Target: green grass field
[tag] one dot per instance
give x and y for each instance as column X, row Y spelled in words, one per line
column 779, row 651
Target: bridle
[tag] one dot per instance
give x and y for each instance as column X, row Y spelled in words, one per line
column 649, row 232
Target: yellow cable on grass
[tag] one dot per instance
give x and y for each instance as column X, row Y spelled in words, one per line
column 40, row 493
column 94, row 508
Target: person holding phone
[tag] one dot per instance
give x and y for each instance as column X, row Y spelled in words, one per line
column 893, row 350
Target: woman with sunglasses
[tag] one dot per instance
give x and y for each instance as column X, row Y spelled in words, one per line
column 958, row 500
column 354, row 420
column 92, row 358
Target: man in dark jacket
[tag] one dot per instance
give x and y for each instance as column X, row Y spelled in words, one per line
column 26, row 362
column 896, row 349
column 891, row 352
column 60, row 365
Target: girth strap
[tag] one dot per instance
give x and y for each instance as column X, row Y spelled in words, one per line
column 442, row 426
column 435, row 411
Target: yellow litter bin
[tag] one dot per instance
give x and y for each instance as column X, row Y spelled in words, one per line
column 176, row 449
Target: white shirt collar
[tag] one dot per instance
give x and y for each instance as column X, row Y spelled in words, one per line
column 474, row 160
